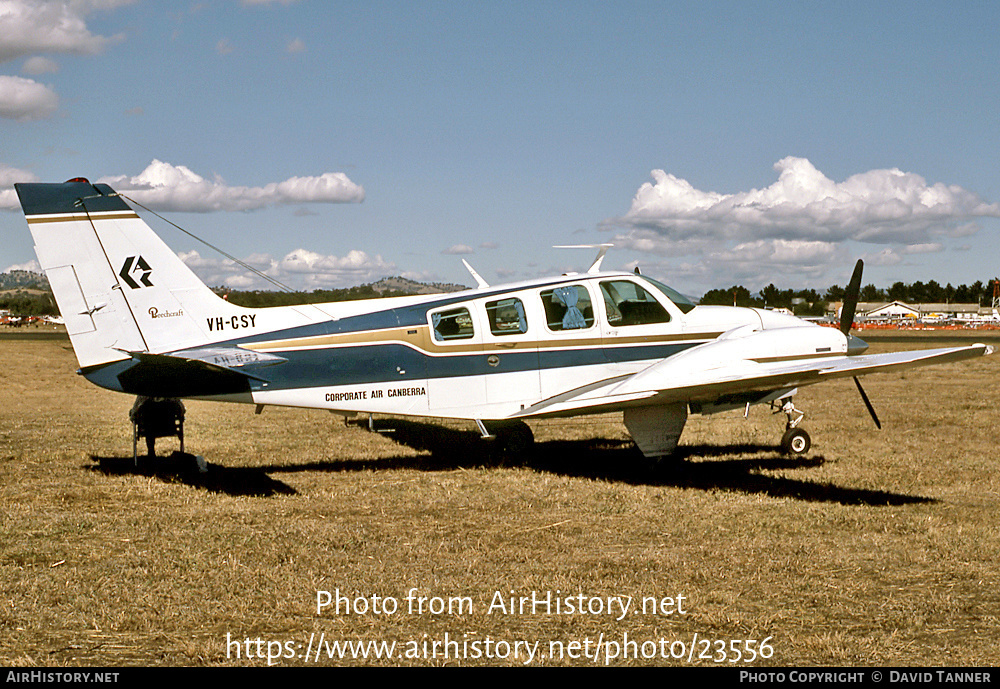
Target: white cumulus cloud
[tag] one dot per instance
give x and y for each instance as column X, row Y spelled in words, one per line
column 458, row 250
column 796, row 228
column 51, row 26
column 878, row 206
column 930, row 248
column 31, row 266
column 167, row 187
column 9, row 176
column 25, row 99
column 39, row 65
column 767, row 260
column 300, row 269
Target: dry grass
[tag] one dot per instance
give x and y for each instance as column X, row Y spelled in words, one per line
column 876, row 548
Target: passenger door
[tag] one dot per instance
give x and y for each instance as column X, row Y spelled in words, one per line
column 456, row 384
column 510, row 348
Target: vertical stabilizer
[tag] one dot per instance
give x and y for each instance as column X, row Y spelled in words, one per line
column 119, row 287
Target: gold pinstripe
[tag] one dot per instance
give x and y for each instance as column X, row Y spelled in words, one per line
column 422, row 340
column 34, row 219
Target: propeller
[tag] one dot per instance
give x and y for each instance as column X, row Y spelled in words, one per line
column 851, row 299
column 847, row 320
column 871, row 409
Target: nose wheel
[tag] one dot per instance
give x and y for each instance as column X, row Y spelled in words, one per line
column 795, row 441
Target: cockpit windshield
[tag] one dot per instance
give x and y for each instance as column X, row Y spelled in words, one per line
column 682, row 302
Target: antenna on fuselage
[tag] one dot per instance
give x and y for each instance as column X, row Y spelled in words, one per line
column 479, row 280
column 601, row 250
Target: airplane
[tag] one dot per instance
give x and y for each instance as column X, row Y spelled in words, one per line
column 141, row 322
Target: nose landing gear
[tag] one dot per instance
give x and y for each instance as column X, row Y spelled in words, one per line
column 795, row 441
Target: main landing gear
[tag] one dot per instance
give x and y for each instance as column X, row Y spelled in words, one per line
column 795, row 441
column 513, row 439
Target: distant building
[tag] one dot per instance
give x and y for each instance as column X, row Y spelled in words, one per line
column 898, row 311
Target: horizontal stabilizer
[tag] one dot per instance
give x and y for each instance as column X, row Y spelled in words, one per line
column 230, row 357
column 208, row 371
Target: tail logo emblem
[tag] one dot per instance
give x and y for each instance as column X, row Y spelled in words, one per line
column 136, row 265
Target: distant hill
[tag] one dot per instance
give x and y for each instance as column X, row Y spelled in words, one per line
column 386, row 287
column 23, row 279
column 401, row 284
column 28, row 293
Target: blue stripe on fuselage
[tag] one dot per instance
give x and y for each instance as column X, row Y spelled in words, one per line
column 393, row 362
column 396, row 362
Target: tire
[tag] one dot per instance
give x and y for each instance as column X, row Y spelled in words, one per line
column 514, row 439
column 795, row 441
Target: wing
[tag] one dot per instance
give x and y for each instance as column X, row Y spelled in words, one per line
column 681, row 379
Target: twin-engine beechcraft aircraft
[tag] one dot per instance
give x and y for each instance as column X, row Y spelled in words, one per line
column 142, row 323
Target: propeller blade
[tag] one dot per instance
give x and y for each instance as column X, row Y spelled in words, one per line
column 871, row 409
column 851, row 298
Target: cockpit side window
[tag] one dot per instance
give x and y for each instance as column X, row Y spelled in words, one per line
column 506, row 317
column 453, row 324
column 568, row 308
column 627, row 303
column 679, row 300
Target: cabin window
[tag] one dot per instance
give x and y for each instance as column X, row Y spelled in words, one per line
column 568, row 308
column 454, row 324
column 629, row 304
column 506, row 317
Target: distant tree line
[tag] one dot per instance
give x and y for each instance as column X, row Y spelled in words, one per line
column 26, row 293
column 809, row 302
column 21, row 303
column 805, row 302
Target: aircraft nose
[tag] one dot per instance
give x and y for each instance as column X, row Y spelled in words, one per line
column 855, row 345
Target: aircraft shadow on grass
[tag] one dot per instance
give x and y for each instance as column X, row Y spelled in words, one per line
column 617, row 461
column 183, row 468
column 735, row 468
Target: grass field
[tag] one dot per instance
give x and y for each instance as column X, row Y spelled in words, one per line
column 876, row 548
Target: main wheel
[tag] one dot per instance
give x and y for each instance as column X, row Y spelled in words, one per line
column 514, row 439
column 795, row 441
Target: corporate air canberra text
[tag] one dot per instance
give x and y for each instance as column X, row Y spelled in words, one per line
column 500, row 603
column 374, row 394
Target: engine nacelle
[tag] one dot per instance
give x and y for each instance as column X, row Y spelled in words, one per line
column 742, row 354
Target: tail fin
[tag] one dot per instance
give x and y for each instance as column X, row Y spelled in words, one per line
column 120, row 289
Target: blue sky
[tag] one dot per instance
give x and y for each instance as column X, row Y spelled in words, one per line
column 332, row 143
